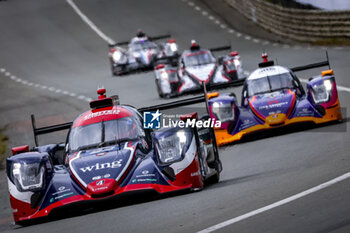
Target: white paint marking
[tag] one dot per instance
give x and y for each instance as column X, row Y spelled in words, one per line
column 266, row 42
column 2, row 70
column 286, row 46
column 256, row 40
column 13, row 77
column 238, row 34
column 276, row 204
column 231, row 31
column 7, row 74
column 72, row 94
column 247, row 37
column 43, row 87
column 52, row 89
column 204, row 13
column 65, row 92
column 88, row 99
column 36, row 85
column 246, row 73
column 191, row 3
column 217, row 21
column 58, row 91
column 211, row 17
column 340, row 88
column 223, row 26
column 90, row 23
column 275, row 44
column 30, row 84
column 18, row 80
column 197, row 8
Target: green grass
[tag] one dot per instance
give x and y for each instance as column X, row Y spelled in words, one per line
column 3, row 148
column 333, row 41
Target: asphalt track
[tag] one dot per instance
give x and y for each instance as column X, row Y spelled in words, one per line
column 51, row 63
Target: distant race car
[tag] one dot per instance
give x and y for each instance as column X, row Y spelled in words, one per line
column 272, row 97
column 108, row 153
column 141, row 54
column 195, row 67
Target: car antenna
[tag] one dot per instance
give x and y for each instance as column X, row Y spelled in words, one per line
column 329, row 65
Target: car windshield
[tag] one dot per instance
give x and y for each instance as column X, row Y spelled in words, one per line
column 105, row 133
column 270, row 84
column 198, row 58
column 140, row 45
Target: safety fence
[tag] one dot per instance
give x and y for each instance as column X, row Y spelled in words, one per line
column 297, row 24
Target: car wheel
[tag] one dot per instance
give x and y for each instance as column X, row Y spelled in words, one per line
column 214, row 178
column 160, row 93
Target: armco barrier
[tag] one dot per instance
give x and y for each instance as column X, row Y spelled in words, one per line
column 297, row 24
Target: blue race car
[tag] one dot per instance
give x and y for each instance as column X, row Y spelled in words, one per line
column 108, row 153
column 273, row 97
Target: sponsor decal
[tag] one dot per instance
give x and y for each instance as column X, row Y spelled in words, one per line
column 100, row 182
column 61, row 196
column 145, row 173
column 96, row 177
column 61, row 189
column 101, row 113
column 272, row 102
column 147, row 180
column 273, row 105
column 195, row 174
column 151, row 120
column 305, row 112
column 98, row 166
column 155, row 120
column 246, row 124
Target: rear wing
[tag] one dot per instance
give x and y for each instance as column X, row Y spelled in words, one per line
column 313, row 65
column 227, row 47
column 152, row 38
column 175, row 104
column 67, row 125
column 47, row 129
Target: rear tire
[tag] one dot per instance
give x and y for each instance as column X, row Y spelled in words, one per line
column 160, row 94
column 214, row 179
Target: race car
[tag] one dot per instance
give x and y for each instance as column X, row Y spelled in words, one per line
column 141, row 53
column 195, row 67
column 272, row 97
column 108, row 153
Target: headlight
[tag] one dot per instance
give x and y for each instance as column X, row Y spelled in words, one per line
column 173, row 47
column 28, row 177
column 321, row 93
column 116, row 56
column 164, row 75
column 223, row 111
column 328, row 84
column 136, row 54
column 172, row 148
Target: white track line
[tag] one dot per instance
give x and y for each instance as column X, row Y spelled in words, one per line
column 276, row 204
column 340, row 88
column 90, row 23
